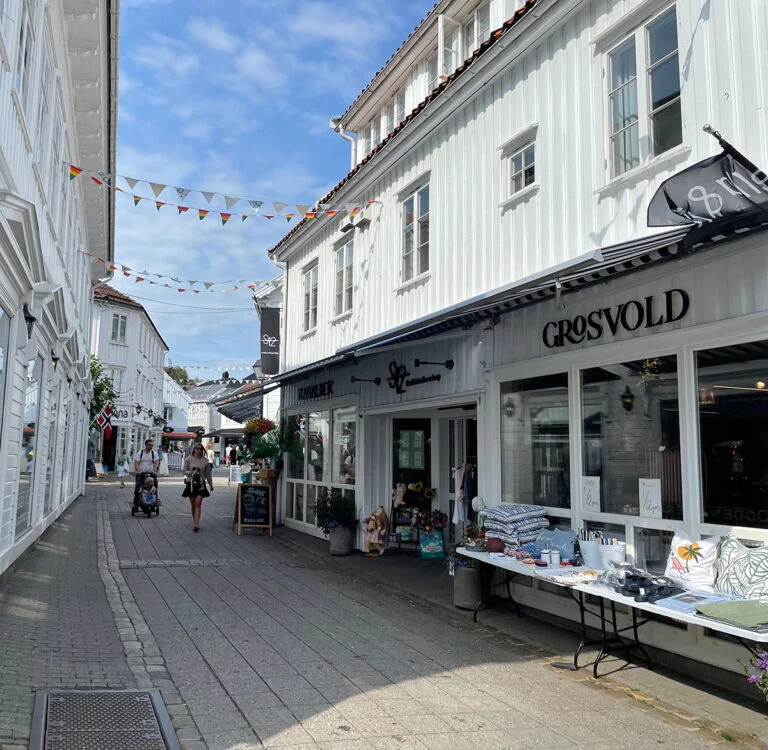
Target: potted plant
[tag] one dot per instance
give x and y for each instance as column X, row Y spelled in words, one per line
column 467, row 591
column 263, row 437
column 336, row 516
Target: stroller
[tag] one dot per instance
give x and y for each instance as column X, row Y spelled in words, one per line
column 145, row 496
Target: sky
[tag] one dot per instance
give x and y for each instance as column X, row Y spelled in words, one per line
column 233, row 97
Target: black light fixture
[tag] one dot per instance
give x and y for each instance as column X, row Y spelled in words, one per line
column 448, row 363
column 509, row 407
column 150, row 413
column 376, row 381
column 627, row 399
column 54, row 359
column 138, row 408
column 30, row 320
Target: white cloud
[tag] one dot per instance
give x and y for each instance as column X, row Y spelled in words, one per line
column 198, row 131
column 255, row 66
column 212, row 33
column 167, row 55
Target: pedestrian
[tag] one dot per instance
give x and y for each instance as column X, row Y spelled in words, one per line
column 197, row 472
column 211, row 455
column 122, row 466
column 227, row 453
column 146, row 460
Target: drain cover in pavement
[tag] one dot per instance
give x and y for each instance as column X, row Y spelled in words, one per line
column 101, row 720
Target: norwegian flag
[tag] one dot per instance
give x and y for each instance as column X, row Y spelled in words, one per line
column 104, row 420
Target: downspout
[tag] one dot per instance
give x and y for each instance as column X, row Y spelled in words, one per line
column 337, row 127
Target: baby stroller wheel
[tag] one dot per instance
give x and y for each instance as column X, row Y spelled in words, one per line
column 157, row 510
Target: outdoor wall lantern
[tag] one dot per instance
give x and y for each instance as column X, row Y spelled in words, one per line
column 54, row 359
column 30, row 320
column 627, row 399
column 509, row 407
column 448, row 364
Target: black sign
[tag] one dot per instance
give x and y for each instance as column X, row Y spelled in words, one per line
column 313, row 392
column 254, row 505
column 628, row 316
column 270, row 340
column 399, row 378
column 712, row 190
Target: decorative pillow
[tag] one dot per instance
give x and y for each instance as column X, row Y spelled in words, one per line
column 692, row 564
column 743, row 570
column 513, row 512
column 557, row 539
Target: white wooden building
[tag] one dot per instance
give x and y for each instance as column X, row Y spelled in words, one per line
column 176, row 404
column 125, row 339
column 504, row 303
column 58, row 89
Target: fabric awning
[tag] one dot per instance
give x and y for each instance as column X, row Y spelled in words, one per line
column 180, row 435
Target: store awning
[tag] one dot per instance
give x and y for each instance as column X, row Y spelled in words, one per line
column 180, row 435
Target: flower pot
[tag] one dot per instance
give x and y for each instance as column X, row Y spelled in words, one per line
column 466, row 588
column 341, row 540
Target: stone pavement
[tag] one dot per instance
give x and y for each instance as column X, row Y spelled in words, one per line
column 255, row 641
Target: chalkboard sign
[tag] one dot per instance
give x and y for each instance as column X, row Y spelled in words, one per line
column 253, row 507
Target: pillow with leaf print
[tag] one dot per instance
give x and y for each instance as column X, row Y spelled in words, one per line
column 743, row 570
column 692, row 564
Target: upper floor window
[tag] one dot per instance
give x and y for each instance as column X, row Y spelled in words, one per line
column 399, row 106
column 344, row 278
column 44, row 106
column 432, row 74
column 522, row 168
column 389, row 117
column 375, row 131
column 416, row 234
column 644, row 108
column 477, row 29
column 24, row 56
column 119, row 323
column 310, row 298
column 117, row 380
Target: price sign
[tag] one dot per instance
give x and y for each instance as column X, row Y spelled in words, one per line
column 590, row 494
column 650, row 497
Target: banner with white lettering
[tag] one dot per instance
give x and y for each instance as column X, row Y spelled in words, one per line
column 715, row 189
column 270, row 340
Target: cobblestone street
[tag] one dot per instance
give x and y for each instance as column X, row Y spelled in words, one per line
column 254, row 643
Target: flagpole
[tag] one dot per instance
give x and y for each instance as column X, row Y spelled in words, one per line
column 737, row 155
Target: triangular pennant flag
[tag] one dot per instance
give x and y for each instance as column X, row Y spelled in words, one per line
column 193, row 282
column 372, row 203
column 279, row 207
column 208, row 284
column 136, row 200
column 196, row 291
column 118, row 189
column 131, row 182
column 288, row 217
column 302, row 209
column 230, row 200
column 167, row 286
column 152, row 282
column 331, row 211
column 97, row 180
column 113, row 268
column 244, row 216
column 139, row 278
column 225, row 218
column 125, row 273
column 268, row 216
column 208, row 196
column 74, row 171
column 101, row 260
column 183, row 209
column 159, row 205
column 182, row 290
column 182, row 193
column 251, row 286
column 126, row 268
column 256, row 205
column 157, row 188
column 202, row 213
column 173, row 278
column 310, row 214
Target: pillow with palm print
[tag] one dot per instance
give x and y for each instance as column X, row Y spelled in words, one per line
column 692, row 564
column 743, row 570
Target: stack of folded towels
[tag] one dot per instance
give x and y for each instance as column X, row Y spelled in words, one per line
column 514, row 524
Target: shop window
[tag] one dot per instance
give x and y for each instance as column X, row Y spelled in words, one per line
column 317, row 441
column 344, row 445
column 535, row 464
column 733, row 432
column 296, row 441
column 644, row 107
column 5, row 335
column 415, row 234
column 310, row 298
column 119, row 323
column 28, row 445
column 344, row 278
column 53, row 417
column 652, row 549
column 631, row 439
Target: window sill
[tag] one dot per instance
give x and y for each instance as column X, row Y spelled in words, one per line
column 22, row 119
column 341, row 318
column 670, row 158
column 117, row 343
column 414, row 282
column 521, row 195
column 308, row 334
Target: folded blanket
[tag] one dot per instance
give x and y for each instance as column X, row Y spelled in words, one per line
column 512, row 539
column 515, row 527
column 513, row 512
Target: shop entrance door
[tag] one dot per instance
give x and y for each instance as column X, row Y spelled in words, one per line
column 462, row 449
column 412, row 457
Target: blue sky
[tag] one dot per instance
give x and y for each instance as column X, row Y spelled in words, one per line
column 234, row 97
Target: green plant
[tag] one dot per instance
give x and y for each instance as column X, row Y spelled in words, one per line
column 103, row 387
column 335, row 509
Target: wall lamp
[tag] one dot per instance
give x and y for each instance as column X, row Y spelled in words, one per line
column 54, row 359
column 509, row 407
column 448, row 364
column 30, row 320
column 627, row 399
column 376, row 381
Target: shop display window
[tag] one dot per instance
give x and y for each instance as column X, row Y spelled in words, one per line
column 732, row 388
column 344, row 445
column 5, row 334
column 535, row 452
column 32, row 390
column 53, row 416
column 317, row 440
column 631, row 439
column 296, row 441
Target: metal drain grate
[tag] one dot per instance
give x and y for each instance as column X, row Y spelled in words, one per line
column 101, row 720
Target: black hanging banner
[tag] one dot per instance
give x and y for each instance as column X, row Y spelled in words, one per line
column 270, row 340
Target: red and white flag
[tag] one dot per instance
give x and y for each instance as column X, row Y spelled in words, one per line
column 104, row 420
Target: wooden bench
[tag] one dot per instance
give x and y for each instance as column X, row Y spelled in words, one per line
column 612, row 638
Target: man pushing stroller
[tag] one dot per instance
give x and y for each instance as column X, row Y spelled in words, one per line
column 146, row 461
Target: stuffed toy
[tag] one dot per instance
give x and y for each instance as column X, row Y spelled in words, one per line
column 377, row 526
column 399, row 497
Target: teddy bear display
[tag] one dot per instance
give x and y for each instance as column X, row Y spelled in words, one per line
column 399, row 495
column 377, row 526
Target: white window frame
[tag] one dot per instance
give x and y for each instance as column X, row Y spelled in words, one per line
column 448, row 46
column 25, row 55
column 475, row 31
column 638, row 36
column 513, row 172
column 417, row 269
column 310, row 277
column 47, row 78
column 400, row 113
column 344, row 273
column 432, row 74
column 119, row 336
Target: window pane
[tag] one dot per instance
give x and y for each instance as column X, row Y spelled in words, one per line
column 517, row 163
column 623, row 65
column 344, row 445
column 667, row 128
column 662, row 36
column 400, row 107
column 408, row 212
column 115, row 327
column 517, row 182
column 733, row 430
column 123, row 323
column 483, row 23
column 625, row 150
column 528, row 156
column 664, row 82
column 298, row 508
column 631, row 432
column 408, row 267
column 28, row 444
column 535, row 456
column 424, row 201
column 469, row 38
column 296, row 440
column 624, row 106
column 424, row 258
column 290, row 489
column 318, row 437
column 529, row 175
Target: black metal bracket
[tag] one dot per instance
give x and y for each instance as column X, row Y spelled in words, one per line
column 375, row 381
column 448, row 363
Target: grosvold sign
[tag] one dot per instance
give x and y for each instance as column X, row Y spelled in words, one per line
column 650, row 312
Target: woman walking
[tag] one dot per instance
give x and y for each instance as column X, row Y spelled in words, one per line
column 197, row 473
column 122, row 466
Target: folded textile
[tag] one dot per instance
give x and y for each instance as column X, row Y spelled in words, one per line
column 748, row 613
column 512, row 539
column 514, row 527
column 513, row 512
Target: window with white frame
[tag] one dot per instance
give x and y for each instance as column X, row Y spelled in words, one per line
column 24, row 55
column 522, row 168
column 310, row 298
column 389, row 117
column 375, row 131
column 644, row 107
column 399, row 106
column 432, row 75
column 415, row 210
column 477, row 29
column 119, row 323
column 117, row 380
column 449, row 45
column 44, row 106
column 344, row 278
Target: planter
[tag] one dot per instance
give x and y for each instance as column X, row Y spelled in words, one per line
column 341, row 539
column 466, row 588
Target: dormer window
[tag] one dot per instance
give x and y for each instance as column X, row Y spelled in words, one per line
column 432, row 76
column 477, row 29
column 399, row 106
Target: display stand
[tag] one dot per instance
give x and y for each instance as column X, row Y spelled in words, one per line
column 235, row 475
column 253, row 508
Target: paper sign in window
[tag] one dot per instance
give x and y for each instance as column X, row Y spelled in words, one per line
column 590, row 494
column 650, row 497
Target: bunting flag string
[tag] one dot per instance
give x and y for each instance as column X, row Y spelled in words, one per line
column 253, row 208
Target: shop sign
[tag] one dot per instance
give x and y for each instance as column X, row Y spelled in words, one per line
column 120, row 414
column 630, row 316
column 399, row 378
column 317, row 391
